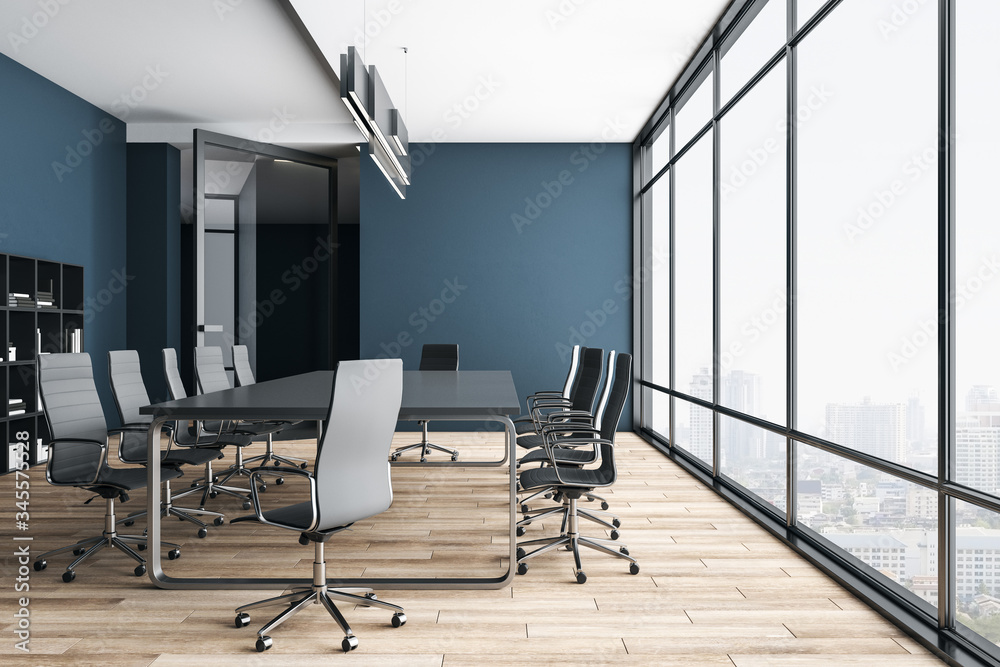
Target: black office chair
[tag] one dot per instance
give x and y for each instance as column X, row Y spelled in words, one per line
column 130, row 394
column 208, row 433
column 581, row 402
column 525, row 423
column 351, row 482
column 78, row 456
column 573, row 482
column 245, row 377
column 571, row 457
column 210, row 376
column 432, row 358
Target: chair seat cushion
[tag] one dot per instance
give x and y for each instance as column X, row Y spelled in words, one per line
column 295, row 517
column 530, row 441
column 581, row 478
column 577, row 456
column 525, row 426
column 130, row 478
column 192, row 455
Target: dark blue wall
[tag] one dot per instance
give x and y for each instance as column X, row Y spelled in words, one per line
column 525, row 279
column 62, row 198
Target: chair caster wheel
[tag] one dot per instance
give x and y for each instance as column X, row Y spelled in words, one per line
column 614, row 535
column 303, row 540
column 40, row 565
column 219, row 520
column 264, row 643
column 581, row 578
column 242, row 620
column 262, row 488
column 547, row 495
column 455, row 457
column 398, row 619
column 304, row 465
column 520, row 553
column 279, row 481
column 604, row 505
column 77, row 552
column 141, row 547
column 213, row 494
column 393, row 458
column 203, row 532
column 247, row 504
column 277, row 463
column 522, row 568
column 623, row 550
column 371, row 596
column 616, row 523
column 174, row 554
column 139, row 570
column 423, row 460
column 519, row 531
column 633, row 568
column 557, row 497
column 524, row 509
column 349, row 644
column 68, row 576
column 128, row 522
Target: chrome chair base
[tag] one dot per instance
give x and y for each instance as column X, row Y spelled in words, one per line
column 424, row 446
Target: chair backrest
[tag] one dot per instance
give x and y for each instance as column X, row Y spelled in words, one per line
column 589, row 381
column 352, row 462
column 437, row 357
column 602, row 401
column 241, row 363
column 209, row 370
column 72, row 410
column 127, row 386
column 612, row 413
column 174, row 383
column 574, row 367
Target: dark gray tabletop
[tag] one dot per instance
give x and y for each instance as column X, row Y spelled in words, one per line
column 426, row 394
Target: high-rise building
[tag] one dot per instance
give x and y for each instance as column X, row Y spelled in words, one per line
column 878, row 429
column 741, row 391
column 702, row 428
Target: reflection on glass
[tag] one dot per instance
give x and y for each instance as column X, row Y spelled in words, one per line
column 867, row 251
column 659, row 153
column 977, row 293
column 754, row 458
column 977, row 570
column 754, row 311
column 660, row 419
column 693, row 259
column 695, row 113
column 694, row 429
column 659, row 281
column 761, row 40
column 881, row 521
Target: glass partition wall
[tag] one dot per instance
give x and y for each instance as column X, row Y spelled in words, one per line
column 820, row 294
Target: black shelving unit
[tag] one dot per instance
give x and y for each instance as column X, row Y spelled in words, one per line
column 30, row 325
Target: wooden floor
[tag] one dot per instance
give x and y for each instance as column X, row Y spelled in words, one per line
column 714, row 588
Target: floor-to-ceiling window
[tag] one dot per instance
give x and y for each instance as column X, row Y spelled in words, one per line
column 819, row 306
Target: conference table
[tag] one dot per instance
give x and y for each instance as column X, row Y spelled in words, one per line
column 485, row 396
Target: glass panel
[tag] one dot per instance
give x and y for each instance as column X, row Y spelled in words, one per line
column 977, row 573
column 660, row 422
column 761, row 40
column 693, row 260
column 220, row 295
column 867, row 227
column 753, row 458
column 659, row 153
column 694, row 429
column 977, row 294
column 695, row 113
column 880, row 520
column 659, row 281
column 806, row 9
column 753, row 232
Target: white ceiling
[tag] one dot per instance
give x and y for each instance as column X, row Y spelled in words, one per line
column 521, row 70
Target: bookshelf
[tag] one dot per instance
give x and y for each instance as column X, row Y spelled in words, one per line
column 41, row 311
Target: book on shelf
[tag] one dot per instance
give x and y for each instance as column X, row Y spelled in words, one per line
column 74, row 340
column 38, row 340
column 14, row 413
